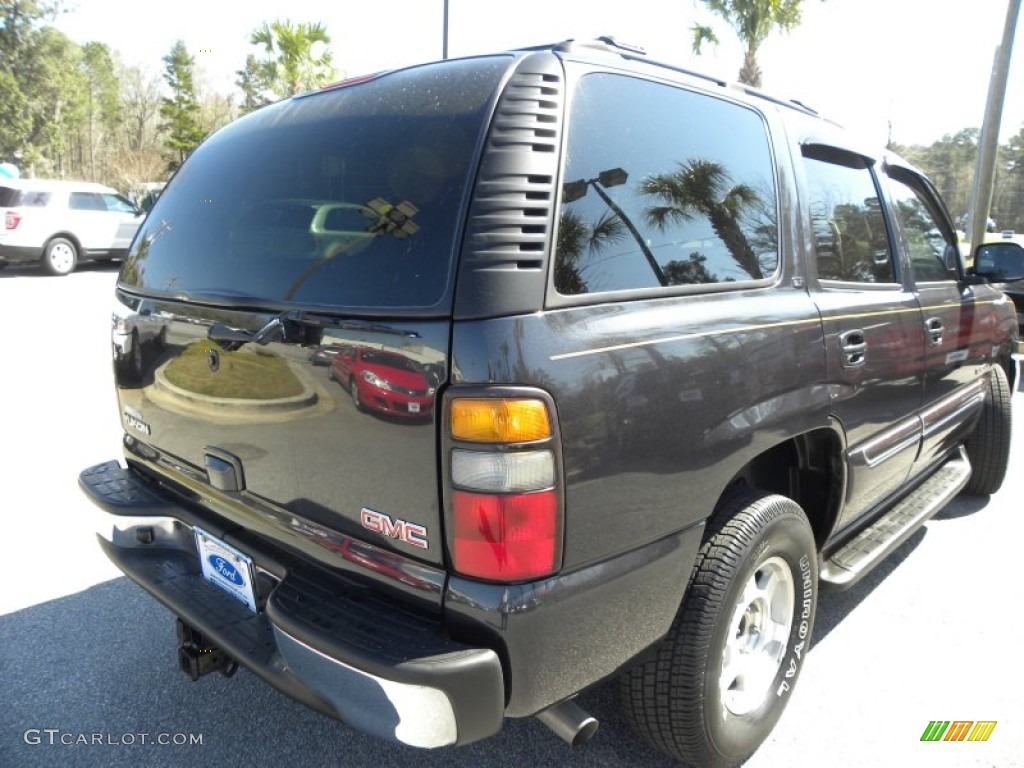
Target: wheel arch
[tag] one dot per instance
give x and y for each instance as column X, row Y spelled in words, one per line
column 67, row 236
column 807, row 468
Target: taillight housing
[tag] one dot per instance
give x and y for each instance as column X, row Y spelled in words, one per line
column 503, row 484
column 11, row 220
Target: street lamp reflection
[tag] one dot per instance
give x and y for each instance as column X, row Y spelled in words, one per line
column 613, row 177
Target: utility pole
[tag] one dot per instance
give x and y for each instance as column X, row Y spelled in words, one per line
column 984, row 173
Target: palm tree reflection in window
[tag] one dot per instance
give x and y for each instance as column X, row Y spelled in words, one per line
column 576, row 236
column 742, row 218
column 700, row 188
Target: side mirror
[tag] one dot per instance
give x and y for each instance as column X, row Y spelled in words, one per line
column 999, row 262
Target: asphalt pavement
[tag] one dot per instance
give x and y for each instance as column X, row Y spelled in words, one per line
column 87, row 660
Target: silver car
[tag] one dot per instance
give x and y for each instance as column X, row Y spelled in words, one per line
column 59, row 223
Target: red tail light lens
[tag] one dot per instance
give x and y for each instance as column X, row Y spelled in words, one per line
column 11, row 220
column 505, row 538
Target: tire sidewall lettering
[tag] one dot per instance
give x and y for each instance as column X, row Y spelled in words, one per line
column 777, row 541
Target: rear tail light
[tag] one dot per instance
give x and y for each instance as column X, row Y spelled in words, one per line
column 11, row 220
column 503, row 472
column 505, row 538
column 499, row 420
column 504, row 494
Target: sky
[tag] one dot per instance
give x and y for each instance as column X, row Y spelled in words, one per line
column 906, row 69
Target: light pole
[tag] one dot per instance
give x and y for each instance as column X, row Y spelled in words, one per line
column 444, row 36
column 613, row 177
column 988, row 142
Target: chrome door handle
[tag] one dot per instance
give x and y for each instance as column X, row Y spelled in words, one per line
column 933, row 328
column 854, row 348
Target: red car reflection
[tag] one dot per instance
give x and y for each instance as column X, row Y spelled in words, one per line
column 381, row 381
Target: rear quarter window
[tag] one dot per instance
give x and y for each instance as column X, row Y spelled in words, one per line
column 349, row 198
column 663, row 187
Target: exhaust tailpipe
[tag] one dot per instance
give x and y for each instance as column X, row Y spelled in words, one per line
column 569, row 722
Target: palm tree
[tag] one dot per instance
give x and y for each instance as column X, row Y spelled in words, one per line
column 753, row 21
column 298, row 59
column 701, row 188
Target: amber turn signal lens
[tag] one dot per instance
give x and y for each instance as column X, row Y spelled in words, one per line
column 499, row 420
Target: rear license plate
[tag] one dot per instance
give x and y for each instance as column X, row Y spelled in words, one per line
column 226, row 567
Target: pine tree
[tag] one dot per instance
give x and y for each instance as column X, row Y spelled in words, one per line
column 180, row 111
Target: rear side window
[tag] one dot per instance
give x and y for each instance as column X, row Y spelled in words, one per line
column 349, row 197
column 851, row 242
column 663, row 187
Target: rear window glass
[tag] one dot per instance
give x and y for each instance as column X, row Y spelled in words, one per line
column 350, row 197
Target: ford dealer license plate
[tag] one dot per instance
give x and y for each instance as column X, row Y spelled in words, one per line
column 226, row 567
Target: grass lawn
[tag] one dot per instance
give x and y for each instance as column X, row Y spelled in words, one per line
column 245, row 373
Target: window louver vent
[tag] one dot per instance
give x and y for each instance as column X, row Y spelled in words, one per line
column 502, row 270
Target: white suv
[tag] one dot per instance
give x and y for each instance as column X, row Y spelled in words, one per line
column 59, row 222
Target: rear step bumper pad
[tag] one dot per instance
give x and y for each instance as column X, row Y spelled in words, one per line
column 336, row 647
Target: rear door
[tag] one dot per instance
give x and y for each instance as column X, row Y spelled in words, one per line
column 233, row 259
column 874, row 337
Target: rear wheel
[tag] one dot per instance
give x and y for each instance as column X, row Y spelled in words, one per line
column 720, row 680
column 60, row 256
column 988, row 447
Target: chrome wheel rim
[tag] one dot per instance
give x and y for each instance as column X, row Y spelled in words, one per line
column 62, row 257
column 757, row 637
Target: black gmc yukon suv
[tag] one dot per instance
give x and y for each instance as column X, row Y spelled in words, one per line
column 450, row 391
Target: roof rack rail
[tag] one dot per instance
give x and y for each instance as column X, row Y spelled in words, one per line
column 630, row 52
column 603, row 43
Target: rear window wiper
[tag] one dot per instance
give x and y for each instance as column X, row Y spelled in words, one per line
column 289, row 326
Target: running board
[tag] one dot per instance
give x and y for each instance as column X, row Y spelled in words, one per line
column 847, row 565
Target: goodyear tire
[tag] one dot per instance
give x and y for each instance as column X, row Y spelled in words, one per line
column 988, row 447
column 60, row 256
column 719, row 681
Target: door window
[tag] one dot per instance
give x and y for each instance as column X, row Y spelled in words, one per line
column 932, row 256
column 851, row 243
column 117, row 203
column 86, row 201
